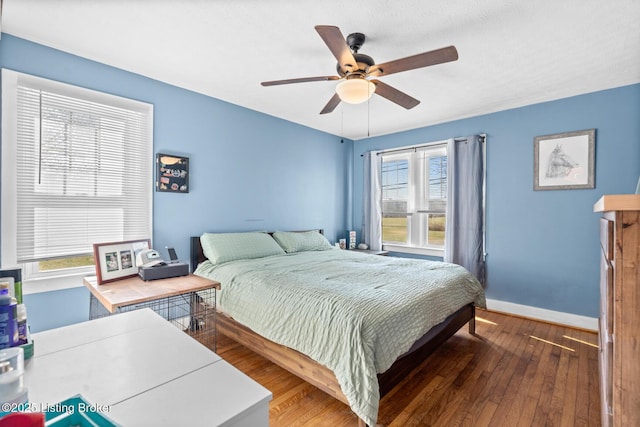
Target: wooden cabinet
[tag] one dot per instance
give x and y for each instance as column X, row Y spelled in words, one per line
column 619, row 309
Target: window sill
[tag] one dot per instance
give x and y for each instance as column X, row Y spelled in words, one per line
column 413, row 250
column 50, row 284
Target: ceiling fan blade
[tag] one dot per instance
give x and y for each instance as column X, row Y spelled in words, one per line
column 300, row 80
column 331, row 105
column 394, row 95
column 426, row 59
column 333, row 38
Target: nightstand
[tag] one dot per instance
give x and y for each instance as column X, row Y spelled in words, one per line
column 188, row 302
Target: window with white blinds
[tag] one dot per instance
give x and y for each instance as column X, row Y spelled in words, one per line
column 76, row 169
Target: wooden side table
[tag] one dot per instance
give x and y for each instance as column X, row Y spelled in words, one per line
column 188, row 302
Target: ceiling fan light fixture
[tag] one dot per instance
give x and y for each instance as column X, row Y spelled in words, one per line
column 355, row 91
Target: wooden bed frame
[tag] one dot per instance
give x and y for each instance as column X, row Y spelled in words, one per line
column 319, row 375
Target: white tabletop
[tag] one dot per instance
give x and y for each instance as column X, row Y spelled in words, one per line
column 77, row 334
column 223, row 404
column 143, row 368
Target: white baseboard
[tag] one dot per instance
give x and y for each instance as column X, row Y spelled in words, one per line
column 573, row 320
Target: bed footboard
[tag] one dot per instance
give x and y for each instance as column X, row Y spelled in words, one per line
column 322, row 377
column 472, row 321
column 293, row 361
column 403, row 366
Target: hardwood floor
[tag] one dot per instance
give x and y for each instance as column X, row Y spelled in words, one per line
column 515, row 372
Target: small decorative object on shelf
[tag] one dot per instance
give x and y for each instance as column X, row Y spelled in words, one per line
column 352, row 239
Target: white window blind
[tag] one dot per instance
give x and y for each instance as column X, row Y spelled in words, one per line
column 80, row 167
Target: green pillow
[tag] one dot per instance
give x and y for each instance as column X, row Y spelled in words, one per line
column 225, row 247
column 301, row 241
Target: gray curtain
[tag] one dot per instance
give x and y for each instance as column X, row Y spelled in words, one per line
column 372, row 201
column 464, row 231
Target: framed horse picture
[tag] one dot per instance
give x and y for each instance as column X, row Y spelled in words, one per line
column 564, row 161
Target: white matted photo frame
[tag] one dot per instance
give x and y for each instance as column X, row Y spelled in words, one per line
column 117, row 260
column 564, row 161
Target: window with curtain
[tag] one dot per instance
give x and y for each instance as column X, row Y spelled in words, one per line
column 76, row 170
column 414, row 198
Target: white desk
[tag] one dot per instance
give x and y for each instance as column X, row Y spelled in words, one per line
column 146, row 371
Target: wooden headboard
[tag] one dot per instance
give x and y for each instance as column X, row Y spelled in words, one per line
column 196, row 255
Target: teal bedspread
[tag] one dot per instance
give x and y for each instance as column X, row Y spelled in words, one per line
column 354, row 313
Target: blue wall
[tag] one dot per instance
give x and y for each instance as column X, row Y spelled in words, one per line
column 47, row 310
column 254, row 171
column 248, row 170
column 543, row 246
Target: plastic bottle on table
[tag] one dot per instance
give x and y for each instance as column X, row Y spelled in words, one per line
column 21, row 322
column 8, row 321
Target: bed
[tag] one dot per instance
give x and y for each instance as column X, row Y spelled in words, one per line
column 352, row 324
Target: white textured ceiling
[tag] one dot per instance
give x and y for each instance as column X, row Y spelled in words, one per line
column 512, row 53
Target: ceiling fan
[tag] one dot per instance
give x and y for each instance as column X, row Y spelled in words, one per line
column 356, row 69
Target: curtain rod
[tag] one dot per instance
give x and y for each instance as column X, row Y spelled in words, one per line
column 428, row 144
column 413, row 147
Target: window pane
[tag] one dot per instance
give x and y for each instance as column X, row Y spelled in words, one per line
column 414, row 197
column 395, row 180
column 437, row 200
column 394, row 228
column 395, row 186
column 438, row 177
column 64, row 263
column 436, row 229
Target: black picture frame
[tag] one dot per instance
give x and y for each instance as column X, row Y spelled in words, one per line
column 172, row 173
